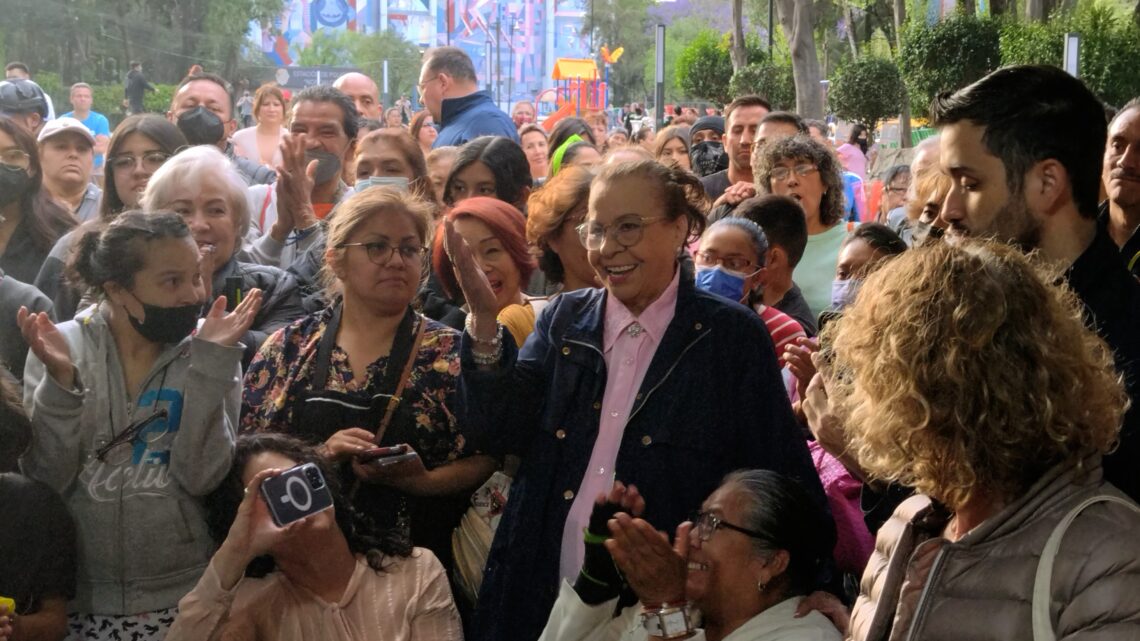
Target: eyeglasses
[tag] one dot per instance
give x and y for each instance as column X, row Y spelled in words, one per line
column 381, row 253
column 780, row 174
column 734, row 263
column 137, row 431
column 706, row 523
column 421, row 85
column 627, row 231
column 17, row 158
column 151, row 161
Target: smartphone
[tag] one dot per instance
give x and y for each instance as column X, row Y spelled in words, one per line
column 10, row 604
column 296, row 493
column 367, row 456
column 385, row 456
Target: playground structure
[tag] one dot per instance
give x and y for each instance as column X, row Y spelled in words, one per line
column 578, row 88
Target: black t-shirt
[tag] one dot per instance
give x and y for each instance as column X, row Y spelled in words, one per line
column 794, row 305
column 37, row 544
column 716, row 184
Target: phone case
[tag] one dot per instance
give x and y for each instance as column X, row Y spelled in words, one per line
column 296, row 493
column 368, row 456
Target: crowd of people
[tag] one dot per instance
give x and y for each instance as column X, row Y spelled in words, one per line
column 566, row 380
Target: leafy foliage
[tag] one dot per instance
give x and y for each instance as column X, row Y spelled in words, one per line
column 704, row 67
column 772, row 82
column 367, row 53
column 625, row 23
column 946, row 56
column 1110, row 47
column 868, row 90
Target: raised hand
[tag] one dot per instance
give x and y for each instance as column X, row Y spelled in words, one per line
column 252, row 534
column 48, row 345
column 735, row 194
column 207, row 263
column 654, row 569
column 294, row 188
column 798, row 357
column 227, row 328
column 476, row 288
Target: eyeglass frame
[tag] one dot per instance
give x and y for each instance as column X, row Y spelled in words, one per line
column 113, row 160
column 392, row 250
column 583, row 231
column 796, row 170
column 421, row 85
column 131, row 434
column 720, row 261
column 698, row 519
column 26, row 155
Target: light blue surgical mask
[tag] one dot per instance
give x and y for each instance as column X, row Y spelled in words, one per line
column 399, row 182
column 843, row 292
column 723, row 282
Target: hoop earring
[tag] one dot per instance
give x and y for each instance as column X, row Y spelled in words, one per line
column 761, row 586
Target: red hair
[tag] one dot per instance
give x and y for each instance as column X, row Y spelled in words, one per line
column 505, row 222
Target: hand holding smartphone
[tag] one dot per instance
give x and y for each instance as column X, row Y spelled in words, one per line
column 386, row 456
column 296, row 493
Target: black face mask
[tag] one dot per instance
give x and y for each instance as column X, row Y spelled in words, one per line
column 708, row 157
column 328, row 165
column 201, row 126
column 14, row 183
column 166, row 324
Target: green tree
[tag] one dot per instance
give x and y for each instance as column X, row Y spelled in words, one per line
column 867, row 90
column 1110, row 46
column 327, row 48
column 704, row 67
column 624, row 23
column 946, row 56
column 773, row 82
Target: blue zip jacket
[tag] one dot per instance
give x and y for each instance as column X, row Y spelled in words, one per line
column 473, row 115
column 712, row 402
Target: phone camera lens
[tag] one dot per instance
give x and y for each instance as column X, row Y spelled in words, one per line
column 314, row 478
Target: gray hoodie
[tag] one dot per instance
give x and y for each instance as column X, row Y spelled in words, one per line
column 139, row 516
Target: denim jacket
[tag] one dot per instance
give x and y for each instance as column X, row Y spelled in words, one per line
column 712, row 402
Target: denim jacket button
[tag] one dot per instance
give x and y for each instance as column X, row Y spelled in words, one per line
column 560, row 434
column 597, row 406
column 565, row 351
column 568, row 495
column 646, row 440
column 697, row 326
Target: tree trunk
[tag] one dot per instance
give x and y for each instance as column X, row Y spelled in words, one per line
column 968, row 7
column 849, row 18
column 738, row 53
column 796, row 19
column 1035, row 10
column 904, row 115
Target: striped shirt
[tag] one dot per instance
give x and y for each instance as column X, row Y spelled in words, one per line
column 783, row 328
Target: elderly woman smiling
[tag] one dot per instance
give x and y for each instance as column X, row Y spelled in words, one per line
column 598, row 390
column 744, row 562
column 202, row 186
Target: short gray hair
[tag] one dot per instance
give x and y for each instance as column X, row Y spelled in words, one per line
column 195, row 166
column 80, row 85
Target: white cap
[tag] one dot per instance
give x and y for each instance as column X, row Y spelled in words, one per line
column 60, row 125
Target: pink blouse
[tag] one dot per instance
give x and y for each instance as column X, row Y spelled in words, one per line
column 408, row 601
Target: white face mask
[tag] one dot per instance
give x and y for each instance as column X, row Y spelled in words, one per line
column 843, row 292
column 399, row 182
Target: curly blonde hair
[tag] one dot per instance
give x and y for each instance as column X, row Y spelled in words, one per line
column 959, row 371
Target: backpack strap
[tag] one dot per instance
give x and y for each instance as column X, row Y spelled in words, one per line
column 1042, row 622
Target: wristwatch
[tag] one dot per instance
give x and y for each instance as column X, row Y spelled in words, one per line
column 668, row 622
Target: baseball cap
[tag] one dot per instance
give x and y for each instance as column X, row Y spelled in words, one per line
column 18, row 96
column 62, row 125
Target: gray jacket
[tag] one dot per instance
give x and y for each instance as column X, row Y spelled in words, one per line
column 139, row 516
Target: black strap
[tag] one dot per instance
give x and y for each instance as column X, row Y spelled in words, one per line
column 401, row 350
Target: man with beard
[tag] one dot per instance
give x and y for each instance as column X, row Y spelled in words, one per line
column 203, row 109
column 742, row 120
column 1024, row 149
column 1120, row 214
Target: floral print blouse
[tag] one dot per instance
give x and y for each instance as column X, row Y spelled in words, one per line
column 284, row 366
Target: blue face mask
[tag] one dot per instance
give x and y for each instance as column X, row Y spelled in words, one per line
column 843, row 292
column 399, row 182
column 720, row 281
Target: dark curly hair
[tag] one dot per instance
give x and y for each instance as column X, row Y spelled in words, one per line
column 802, row 147
column 362, row 536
